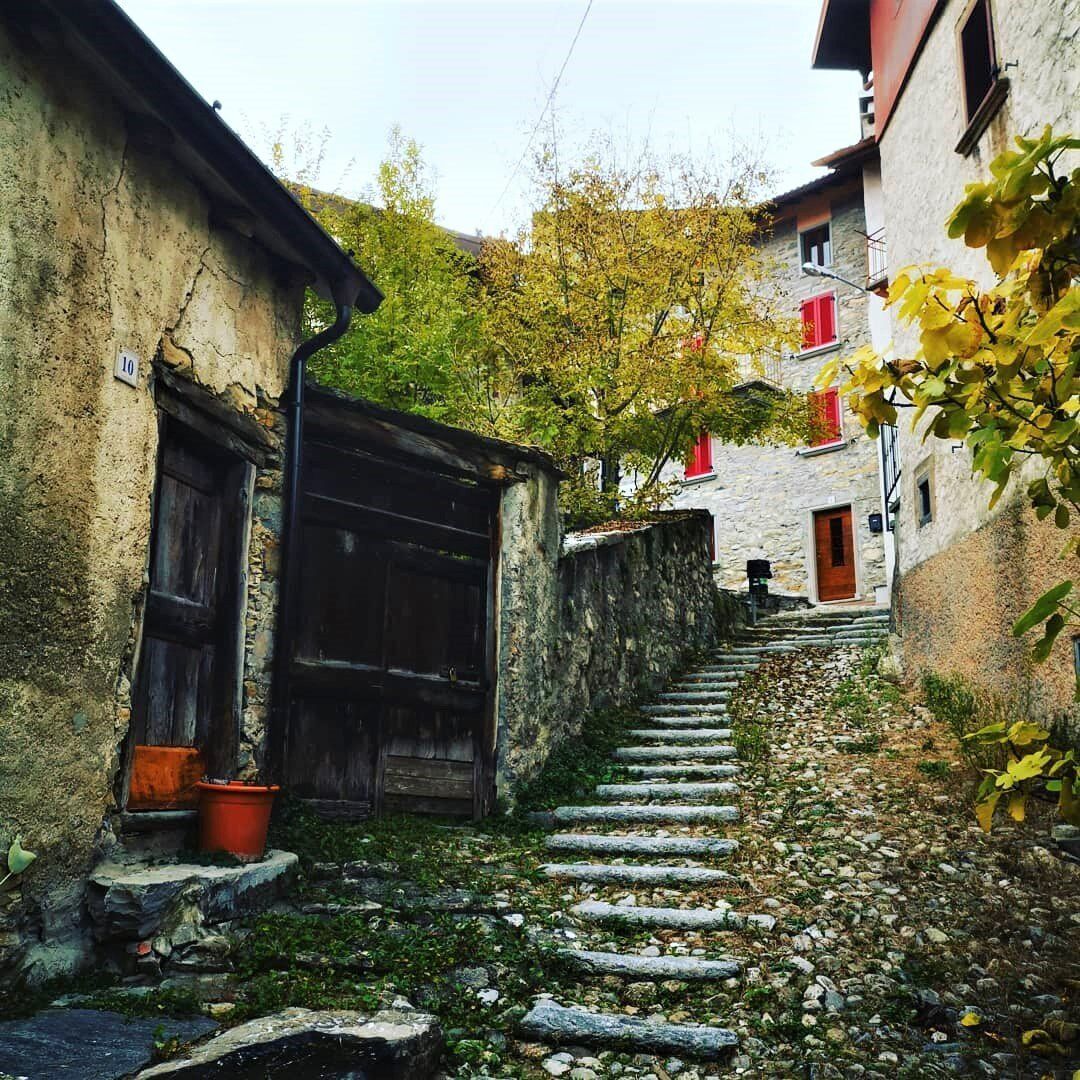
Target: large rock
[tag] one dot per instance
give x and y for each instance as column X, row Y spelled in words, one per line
column 133, row 901
column 304, row 1044
column 87, row 1044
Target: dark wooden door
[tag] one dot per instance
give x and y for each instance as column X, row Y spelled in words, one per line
column 186, row 687
column 834, row 550
column 389, row 683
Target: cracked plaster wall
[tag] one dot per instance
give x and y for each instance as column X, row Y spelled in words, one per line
column 103, row 243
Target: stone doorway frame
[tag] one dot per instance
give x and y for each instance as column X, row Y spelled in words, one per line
column 811, row 551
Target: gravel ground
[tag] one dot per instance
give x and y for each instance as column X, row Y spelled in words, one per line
column 908, row 943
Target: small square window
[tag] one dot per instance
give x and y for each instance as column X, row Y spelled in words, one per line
column 924, row 500
column 977, row 56
column 816, row 246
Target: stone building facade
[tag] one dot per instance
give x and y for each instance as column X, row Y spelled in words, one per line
column 965, row 572
column 150, row 270
column 771, row 502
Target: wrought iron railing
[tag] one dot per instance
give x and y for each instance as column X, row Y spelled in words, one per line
column 890, row 469
column 877, row 259
column 764, row 367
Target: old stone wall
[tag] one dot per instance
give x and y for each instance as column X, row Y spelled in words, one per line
column 592, row 626
column 763, row 497
column 103, row 243
column 923, row 178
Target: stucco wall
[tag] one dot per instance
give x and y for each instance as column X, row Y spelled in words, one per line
column 592, row 627
column 923, row 178
column 956, row 609
column 763, row 497
column 103, row 243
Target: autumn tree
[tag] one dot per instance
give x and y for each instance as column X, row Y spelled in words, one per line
column 417, row 351
column 629, row 308
column 998, row 367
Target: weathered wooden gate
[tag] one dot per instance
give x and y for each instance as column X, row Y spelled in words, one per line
column 390, row 669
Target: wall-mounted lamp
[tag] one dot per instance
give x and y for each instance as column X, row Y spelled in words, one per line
column 823, row 271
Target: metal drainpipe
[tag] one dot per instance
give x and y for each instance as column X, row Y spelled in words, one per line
column 290, row 533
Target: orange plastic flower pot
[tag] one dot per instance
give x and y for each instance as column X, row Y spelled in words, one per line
column 234, row 817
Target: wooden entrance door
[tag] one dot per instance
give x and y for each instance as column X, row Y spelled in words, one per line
column 834, row 550
column 389, row 681
column 186, row 689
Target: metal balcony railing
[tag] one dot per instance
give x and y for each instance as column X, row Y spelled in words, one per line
column 764, row 368
column 877, row 260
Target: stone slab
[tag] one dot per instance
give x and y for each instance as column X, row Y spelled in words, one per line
column 635, row 875
column 721, row 752
column 632, row 966
column 683, row 735
column 695, row 720
column 691, row 791
column 549, row 1022
column 609, row 844
column 684, row 709
column 131, row 901
column 637, row 814
column 670, row 918
column 657, row 772
column 87, row 1044
column 706, row 697
column 305, row 1044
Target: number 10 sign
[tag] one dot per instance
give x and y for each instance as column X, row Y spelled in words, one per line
column 127, row 367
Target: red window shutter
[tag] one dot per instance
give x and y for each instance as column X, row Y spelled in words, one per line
column 826, row 319
column 808, row 314
column 825, row 405
column 818, row 316
column 700, row 457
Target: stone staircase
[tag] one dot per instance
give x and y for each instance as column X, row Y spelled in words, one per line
column 646, row 832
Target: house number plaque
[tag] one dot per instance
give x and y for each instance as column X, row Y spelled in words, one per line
column 127, row 367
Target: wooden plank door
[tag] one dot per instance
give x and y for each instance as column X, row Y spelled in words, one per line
column 834, row 550
column 389, row 682
column 186, row 687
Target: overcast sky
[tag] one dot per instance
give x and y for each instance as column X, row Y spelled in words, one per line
column 469, row 81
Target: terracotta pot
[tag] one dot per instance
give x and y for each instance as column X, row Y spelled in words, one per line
column 234, row 817
column 165, row 778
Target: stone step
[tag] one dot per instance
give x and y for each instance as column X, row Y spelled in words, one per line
column 609, row 844
column 694, row 695
column 758, row 651
column 670, row 736
column 670, row 918
column 632, row 966
column 694, row 792
column 695, row 709
column 634, row 874
column 550, row 1022
column 693, row 752
column 697, row 772
column 694, row 721
column 705, row 686
column 636, row 814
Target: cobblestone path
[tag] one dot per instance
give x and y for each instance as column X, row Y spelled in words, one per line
column 828, row 909
column 667, row 827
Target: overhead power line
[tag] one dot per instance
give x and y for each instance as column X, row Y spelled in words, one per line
column 543, row 112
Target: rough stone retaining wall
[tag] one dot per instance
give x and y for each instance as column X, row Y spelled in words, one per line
column 594, row 624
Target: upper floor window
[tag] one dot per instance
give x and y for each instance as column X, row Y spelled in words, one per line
column 825, row 417
column 700, row 461
column 977, row 60
column 818, row 316
column 815, row 246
